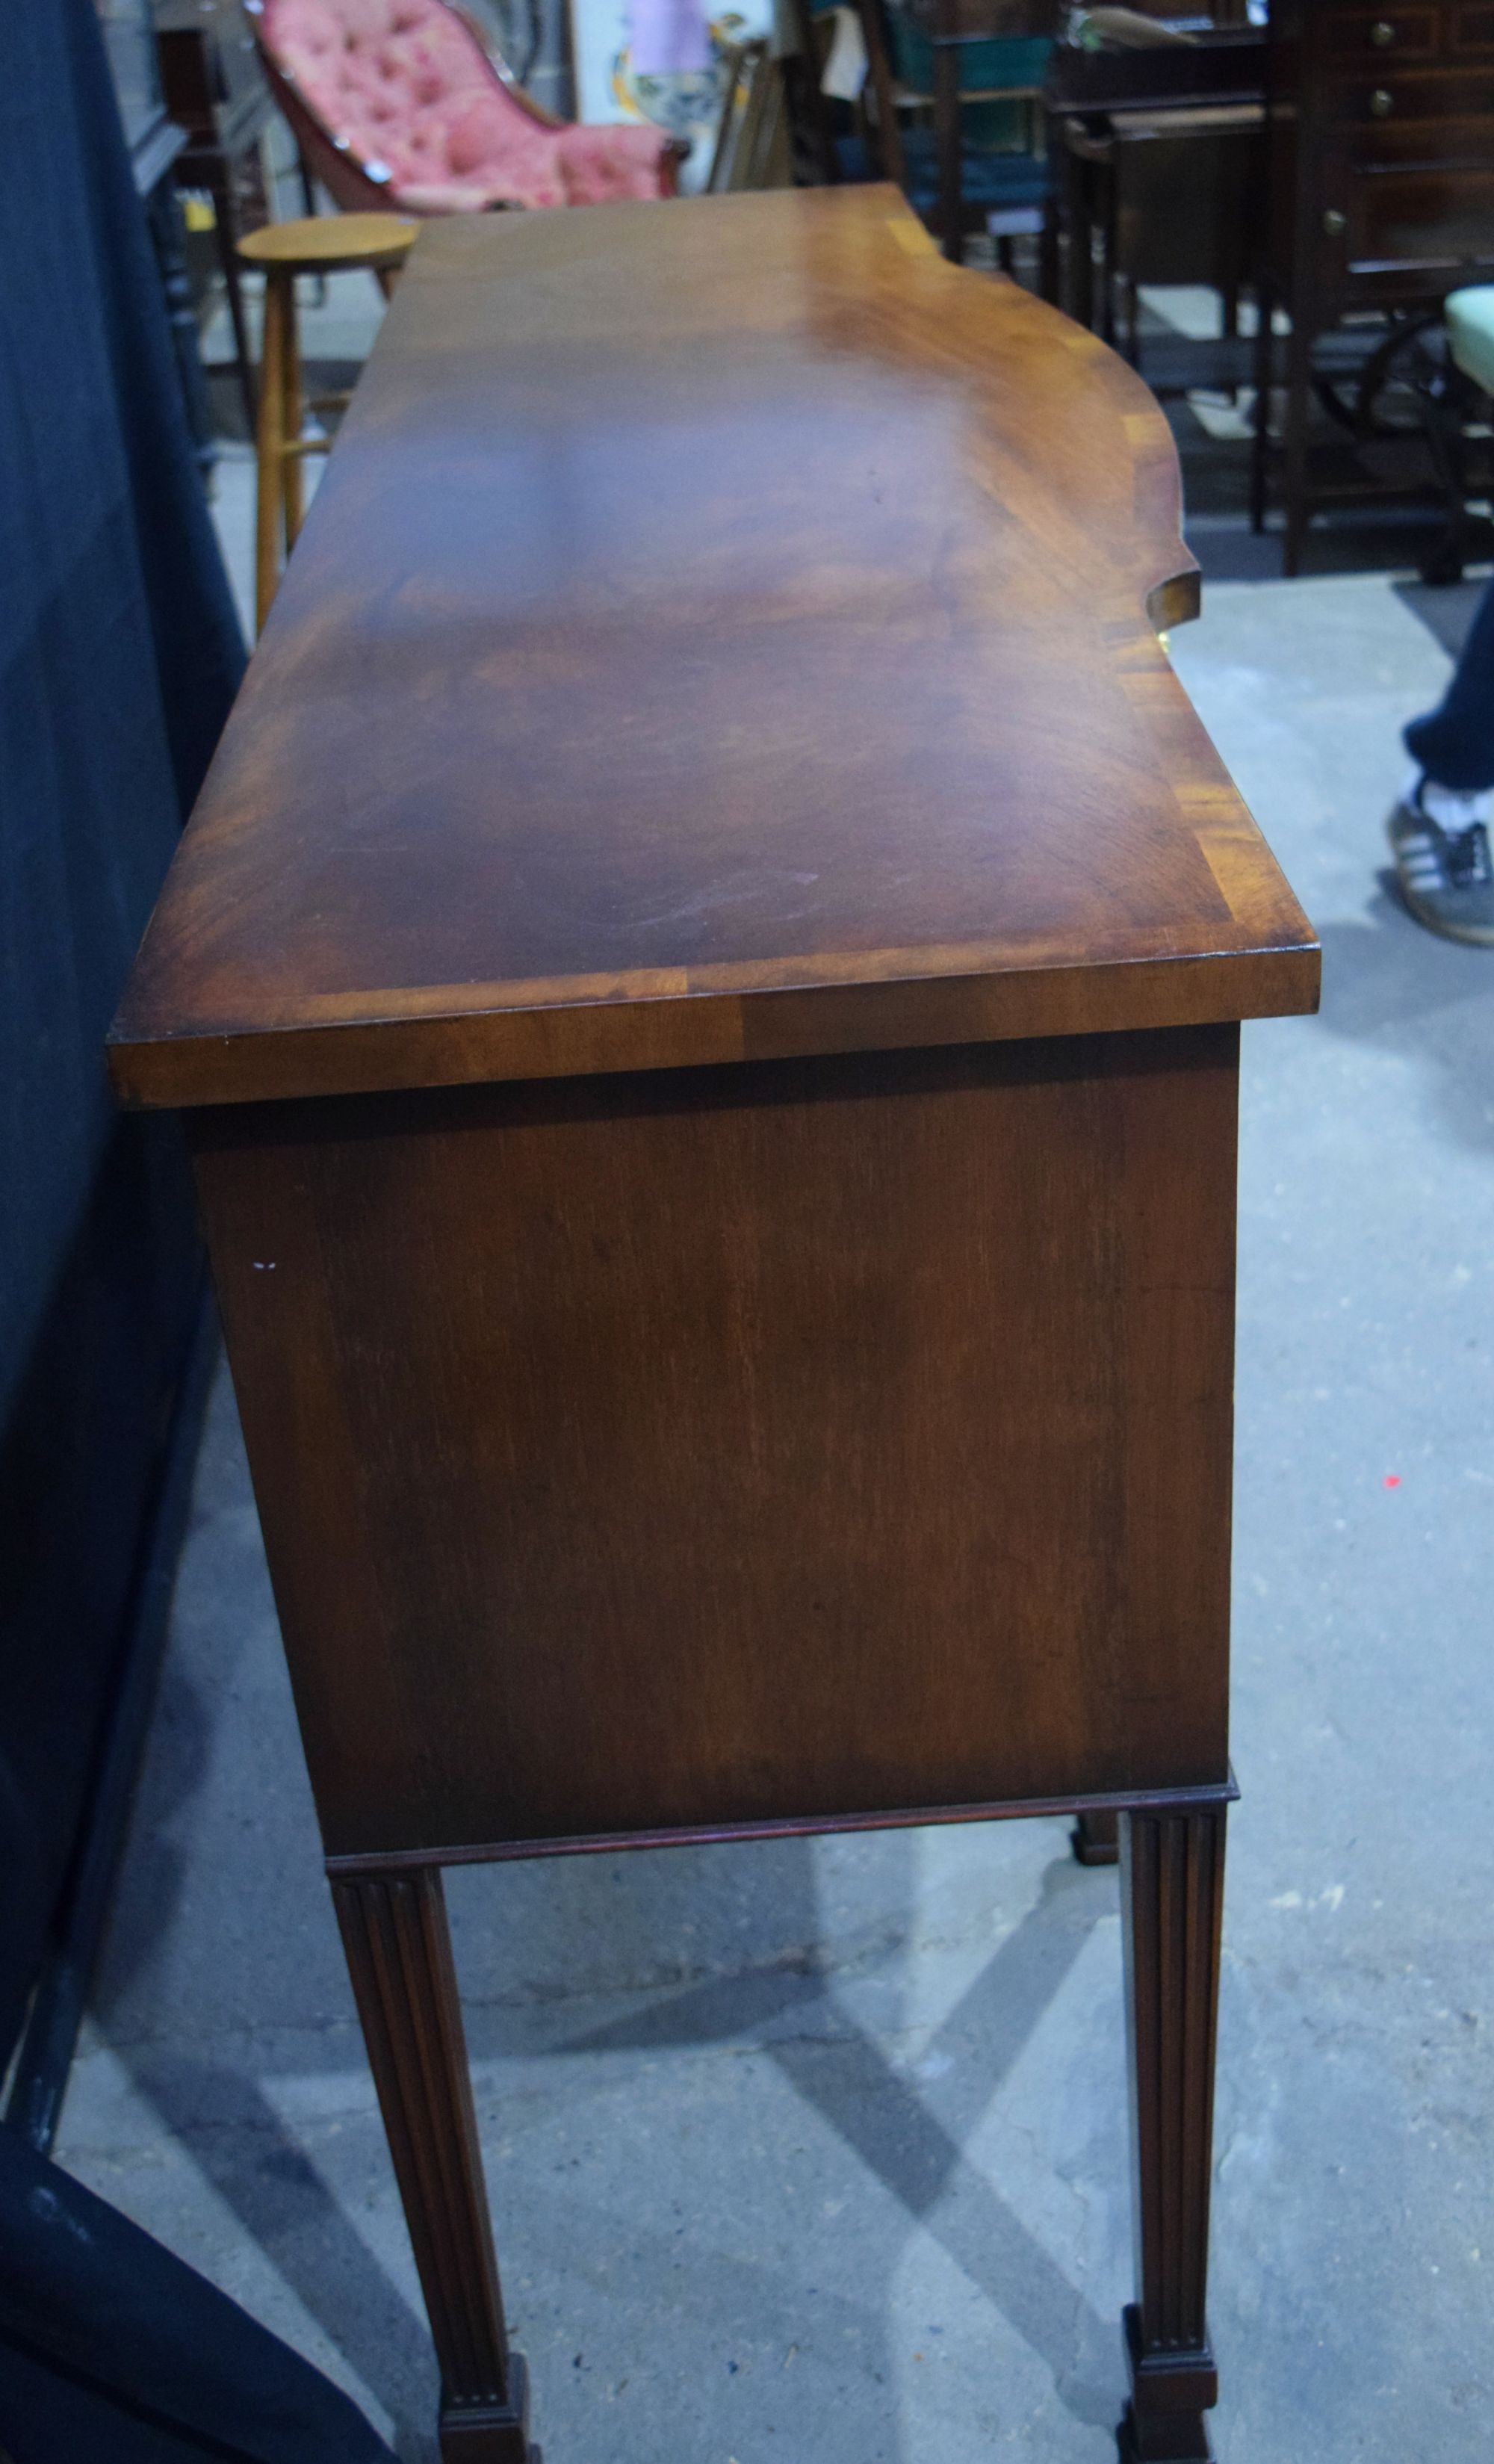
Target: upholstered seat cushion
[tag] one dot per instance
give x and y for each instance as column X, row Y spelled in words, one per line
column 407, row 86
column 1470, row 330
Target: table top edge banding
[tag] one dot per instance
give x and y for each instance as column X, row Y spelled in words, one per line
column 942, row 784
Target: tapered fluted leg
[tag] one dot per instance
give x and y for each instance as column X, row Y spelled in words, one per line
column 1172, row 1897
column 1299, row 384
column 399, row 1953
column 951, row 158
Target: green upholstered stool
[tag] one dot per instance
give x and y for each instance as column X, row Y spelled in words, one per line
column 1468, row 318
column 1470, row 332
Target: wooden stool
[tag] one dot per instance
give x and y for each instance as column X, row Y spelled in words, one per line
column 325, row 244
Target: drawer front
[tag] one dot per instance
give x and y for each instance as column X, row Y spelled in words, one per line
column 1390, row 98
column 1381, row 34
column 1406, row 215
column 1472, row 31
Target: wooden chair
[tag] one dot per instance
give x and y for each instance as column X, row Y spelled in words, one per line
column 1159, row 162
column 980, row 164
column 376, row 243
column 401, row 104
column 754, row 147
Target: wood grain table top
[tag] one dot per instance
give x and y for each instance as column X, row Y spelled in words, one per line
column 722, row 632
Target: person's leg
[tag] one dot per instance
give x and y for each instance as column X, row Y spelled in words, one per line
column 1454, row 744
column 1439, row 828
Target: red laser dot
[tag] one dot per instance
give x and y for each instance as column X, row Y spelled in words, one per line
column 1392, row 1480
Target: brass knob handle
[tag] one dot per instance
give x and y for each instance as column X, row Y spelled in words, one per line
column 1382, row 34
column 1382, row 102
column 1334, row 223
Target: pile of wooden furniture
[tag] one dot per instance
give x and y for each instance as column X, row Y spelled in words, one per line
column 1336, row 165
column 1380, row 197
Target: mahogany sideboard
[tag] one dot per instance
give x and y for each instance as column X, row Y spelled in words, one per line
column 705, row 982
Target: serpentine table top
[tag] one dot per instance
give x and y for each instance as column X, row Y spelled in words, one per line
column 725, row 631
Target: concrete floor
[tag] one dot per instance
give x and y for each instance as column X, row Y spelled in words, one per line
column 816, row 2151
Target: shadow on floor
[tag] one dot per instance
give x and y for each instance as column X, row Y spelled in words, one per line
column 285, row 2206
column 911, row 2138
column 1388, row 982
column 1447, row 612
column 908, row 2132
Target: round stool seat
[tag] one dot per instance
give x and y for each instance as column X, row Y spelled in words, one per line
column 375, row 244
column 1470, row 332
column 332, row 243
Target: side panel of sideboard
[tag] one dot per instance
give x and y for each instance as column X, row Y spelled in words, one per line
column 719, row 1446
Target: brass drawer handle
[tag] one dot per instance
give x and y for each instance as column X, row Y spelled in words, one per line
column 1382, row 34
column 1334, row 223
column 1382, row 102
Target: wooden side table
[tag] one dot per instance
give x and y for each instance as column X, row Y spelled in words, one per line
column 375, row 244
column 1199, row 109
column 706, row 989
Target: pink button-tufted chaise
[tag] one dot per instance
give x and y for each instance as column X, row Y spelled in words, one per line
column 396, row 104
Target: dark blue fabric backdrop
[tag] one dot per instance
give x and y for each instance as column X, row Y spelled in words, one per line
column 114, row 2352
column 120, row 652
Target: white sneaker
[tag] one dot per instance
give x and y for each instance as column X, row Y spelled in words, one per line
column 1446, row 877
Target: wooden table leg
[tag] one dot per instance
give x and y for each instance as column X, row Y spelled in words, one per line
column 1263, row 372
column 270, row 517
column 1172, row 1897
column 399, row 1953
column 1050, row 278
column 1079, row 214
column 947, row 139
column 1107, row 178
column 1294, row 483
column 1096, row 1838
column 221, row 189
column 293, row 419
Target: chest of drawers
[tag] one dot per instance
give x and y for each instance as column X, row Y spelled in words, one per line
column 1382, row 153
column 1380, row 150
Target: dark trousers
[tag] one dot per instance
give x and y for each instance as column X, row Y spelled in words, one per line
column 1454, row 744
